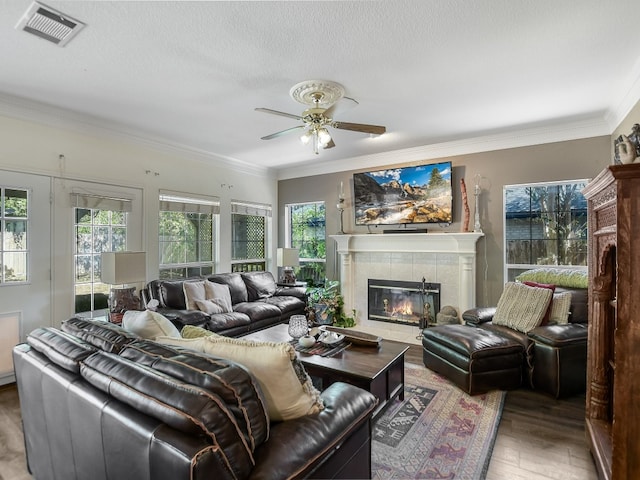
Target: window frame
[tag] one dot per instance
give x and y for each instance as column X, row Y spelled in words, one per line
column 95, row 204
column 289, row 243
column 3, row 231
column 511, row 270
column 251, row 209
column 188, row 204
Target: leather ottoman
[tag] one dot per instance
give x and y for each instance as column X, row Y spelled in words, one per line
column 476, row 360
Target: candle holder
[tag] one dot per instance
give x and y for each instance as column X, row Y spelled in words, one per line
column 477, row 227
column 340, row 206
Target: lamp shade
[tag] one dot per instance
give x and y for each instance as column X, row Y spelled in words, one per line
column 123, row 267
column 287, row 257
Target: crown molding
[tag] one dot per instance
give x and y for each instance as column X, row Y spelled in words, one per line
column 629, row 99
column 514, row 139
column 38, row 112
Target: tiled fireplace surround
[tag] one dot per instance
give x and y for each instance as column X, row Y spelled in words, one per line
column 445, row 258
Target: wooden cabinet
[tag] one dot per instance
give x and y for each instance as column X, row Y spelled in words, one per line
column 613, row 370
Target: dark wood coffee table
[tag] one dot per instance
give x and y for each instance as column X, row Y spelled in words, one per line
column 378, row 370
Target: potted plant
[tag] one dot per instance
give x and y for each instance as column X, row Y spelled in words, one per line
column 326, row 305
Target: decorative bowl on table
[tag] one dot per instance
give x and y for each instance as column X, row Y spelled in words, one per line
column 307, row 341
column 330, row 338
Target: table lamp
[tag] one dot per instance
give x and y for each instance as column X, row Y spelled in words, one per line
column 287, row 258
column 122, row 268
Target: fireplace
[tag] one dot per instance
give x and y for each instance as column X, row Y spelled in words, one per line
column 407, row 303
column 446, row 258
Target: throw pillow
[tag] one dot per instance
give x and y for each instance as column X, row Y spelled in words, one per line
column 193, row 291
column 191, row 331
column 547, row 315
column 560, row 307
column 521, row 307
column 286, row 386
column 148, row 324
column 209, row 307
column 558, row 276
column 219, row 294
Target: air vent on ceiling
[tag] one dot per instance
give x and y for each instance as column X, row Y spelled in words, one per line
column 47, row 23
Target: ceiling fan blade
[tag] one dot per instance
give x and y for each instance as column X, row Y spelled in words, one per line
column 276, row 112
column 330, row 144
column 360, row 127
column 282, row 132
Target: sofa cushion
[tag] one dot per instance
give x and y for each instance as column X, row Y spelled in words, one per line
column 103, row 335
column 148, row 324
column 234, row 385
column 257, row 310
column 579, row 312
column 557, row 276
column 547, row 314
column 226, row 321
column 285, row 384
column 172, row 294
column 191, row 331
column 209, row 307
column 259, row 285
column 63, row 349
column 193, row 292
column 287, row 305
column 560, row 308
column 558, row 336
column 185, row 407
column 522, row 307
column 219, row 294
column 237, row 287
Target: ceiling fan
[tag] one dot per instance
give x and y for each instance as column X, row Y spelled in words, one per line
column 321, row 96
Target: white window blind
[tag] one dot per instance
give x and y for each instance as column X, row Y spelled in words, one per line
column 257, row 209
column 98, row 202
column 174, row 203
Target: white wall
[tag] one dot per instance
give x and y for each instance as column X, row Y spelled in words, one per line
column 115, row 163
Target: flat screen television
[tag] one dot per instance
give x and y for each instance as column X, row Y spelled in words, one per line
column 406, row 195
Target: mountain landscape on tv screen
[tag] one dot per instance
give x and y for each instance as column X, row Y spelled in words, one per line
column 404, row 195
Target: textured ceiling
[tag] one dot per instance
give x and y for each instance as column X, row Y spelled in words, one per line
column 189, row 74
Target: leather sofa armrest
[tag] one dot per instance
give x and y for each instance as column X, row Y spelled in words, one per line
column 559, row 335
column 296, row 447
column 298, row 292
column 180, row 318
column 476, row 316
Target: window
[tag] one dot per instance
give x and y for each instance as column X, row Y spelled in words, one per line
column 305, row 223
column 249, row 226
column 14, row 218
column 545, row 224
column 100, row 226
column 187, row 231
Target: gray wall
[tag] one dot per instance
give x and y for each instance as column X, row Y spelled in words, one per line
column 570, row 160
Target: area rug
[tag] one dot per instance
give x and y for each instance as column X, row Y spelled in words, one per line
column 437, row 431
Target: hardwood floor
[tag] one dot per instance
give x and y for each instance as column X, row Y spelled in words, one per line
column 13, row 465
column 539, row 438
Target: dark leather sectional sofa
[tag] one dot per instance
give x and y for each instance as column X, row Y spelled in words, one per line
column 98, row 402
column 481, row 356
column 256, row 299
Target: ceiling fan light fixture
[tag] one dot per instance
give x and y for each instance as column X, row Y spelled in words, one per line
column 324, row 137
column 306, row 137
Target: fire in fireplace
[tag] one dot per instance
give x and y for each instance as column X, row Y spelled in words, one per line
column 409, row 303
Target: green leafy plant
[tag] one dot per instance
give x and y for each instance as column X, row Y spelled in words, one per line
column 329, row 295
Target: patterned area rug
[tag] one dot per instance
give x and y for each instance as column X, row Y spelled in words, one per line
column 438, row 431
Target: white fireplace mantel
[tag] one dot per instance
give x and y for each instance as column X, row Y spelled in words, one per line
column 460, row 243
column 446, row 258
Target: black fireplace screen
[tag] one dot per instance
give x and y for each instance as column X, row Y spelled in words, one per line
column 411, row 303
